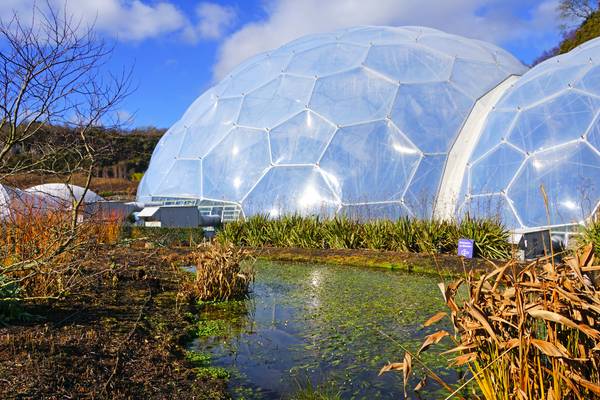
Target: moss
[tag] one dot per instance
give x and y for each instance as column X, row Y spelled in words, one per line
column 202, row 367
column 210, row 328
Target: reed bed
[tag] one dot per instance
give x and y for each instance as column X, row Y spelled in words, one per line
column 524, row 333
column 222, row 274
column 405, row 234
column 40, row 252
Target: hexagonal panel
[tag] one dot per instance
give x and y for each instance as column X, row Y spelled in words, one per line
column 590, row 82
column 422, row 191
column 273, row 103
column 531, row 89
column 289, row 190
column 184, row 178
column 456, row 46
column 555, row 121
column 164, row 155
column 488, row 75
column 378, row 35
column 493, row 173
column 352, row 97
column 409, row 63
column 301, row 139
column 570, row 175
column 255, row 73
column 496, row 206
column 431, row 114
column 208, row 128
column 327, row 59
column 370, row 162
column 496, row 129
column 235, row 164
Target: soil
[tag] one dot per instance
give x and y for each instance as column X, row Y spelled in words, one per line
column 122, row 337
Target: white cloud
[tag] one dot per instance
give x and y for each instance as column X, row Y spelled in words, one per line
column 213, row 20
column 135, row 19
column 492, row 20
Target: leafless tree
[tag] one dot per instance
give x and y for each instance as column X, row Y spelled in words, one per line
column 54, row 73
column 577, row 9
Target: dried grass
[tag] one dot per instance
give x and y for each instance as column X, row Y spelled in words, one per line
column 222, row 273
column 527, row 333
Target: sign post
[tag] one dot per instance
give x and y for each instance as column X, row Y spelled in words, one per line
column 465, row 248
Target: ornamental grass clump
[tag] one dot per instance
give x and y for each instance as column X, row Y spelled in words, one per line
column 405, row 234
column 524, row 333
column 222, row 273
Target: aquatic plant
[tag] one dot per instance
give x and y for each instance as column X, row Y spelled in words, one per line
column 529, row 333
column 221, row 274
column 405, row 234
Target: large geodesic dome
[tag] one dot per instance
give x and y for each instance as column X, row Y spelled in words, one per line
column 358, row 121
column 537, row 161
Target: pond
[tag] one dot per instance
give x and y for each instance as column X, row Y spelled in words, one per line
column 316, row 327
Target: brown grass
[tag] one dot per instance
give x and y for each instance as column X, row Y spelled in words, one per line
column 40, row 251
column 529, row 333
column 222, row 273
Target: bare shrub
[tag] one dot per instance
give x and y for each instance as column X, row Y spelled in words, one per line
column 222, row 273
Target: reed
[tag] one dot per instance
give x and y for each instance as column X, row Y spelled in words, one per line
column 525, row 333
column 221, row 274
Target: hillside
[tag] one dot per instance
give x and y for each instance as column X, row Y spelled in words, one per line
column 588, row 30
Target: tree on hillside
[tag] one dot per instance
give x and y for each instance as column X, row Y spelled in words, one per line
column 577, row 9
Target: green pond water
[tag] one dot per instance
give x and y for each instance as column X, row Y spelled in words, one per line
column 320, row 327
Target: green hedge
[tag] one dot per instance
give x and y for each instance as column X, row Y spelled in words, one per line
column 404, row 234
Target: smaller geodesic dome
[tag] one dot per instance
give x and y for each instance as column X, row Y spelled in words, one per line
column 61, row 194
column 14, row 201
column 537, row 161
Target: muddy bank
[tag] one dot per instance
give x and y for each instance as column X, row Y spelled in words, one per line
column 123, row 336
column 410, row 262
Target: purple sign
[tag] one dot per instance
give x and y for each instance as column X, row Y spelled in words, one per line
column 465, row 248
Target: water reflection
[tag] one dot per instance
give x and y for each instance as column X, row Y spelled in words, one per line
column 310, row 324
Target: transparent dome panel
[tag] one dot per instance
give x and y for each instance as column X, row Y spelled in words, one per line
column 431, row 114
column 274, row 195
column 493, row 172
column 497, row 127
column 561, row 119
column 275, row 102
column 497, row 207
column 236, row 164
column 488, row 75
column 184, row 178
column 422, row 190
column 409, row 63
column 301, row 139
column 370, row 162
column 256, row 74
column 201, row 134
column 352, row 97
column 327, row 59
column 569, row 174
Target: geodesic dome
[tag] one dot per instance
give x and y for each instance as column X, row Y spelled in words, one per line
column 543, row 133
column 62, row 194
column 15, row 202
column 357, row 121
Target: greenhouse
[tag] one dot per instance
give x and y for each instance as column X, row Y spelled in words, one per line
column 380, row 122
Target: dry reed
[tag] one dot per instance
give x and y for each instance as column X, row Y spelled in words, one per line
column 526, row 333
column 222, row 273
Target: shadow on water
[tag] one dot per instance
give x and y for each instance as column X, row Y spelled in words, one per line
column 319, row 326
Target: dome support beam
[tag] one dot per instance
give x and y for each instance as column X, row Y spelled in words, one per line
column 458, row 157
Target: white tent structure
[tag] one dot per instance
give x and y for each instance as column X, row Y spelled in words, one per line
column 61, row 194
column 13, row 201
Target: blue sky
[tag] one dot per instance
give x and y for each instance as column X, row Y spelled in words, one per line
column 179, row 48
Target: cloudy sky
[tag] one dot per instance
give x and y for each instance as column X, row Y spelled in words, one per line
column 179, row 48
